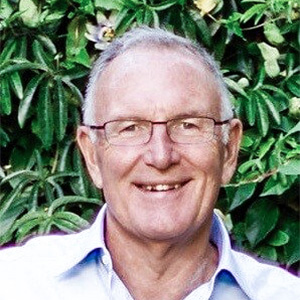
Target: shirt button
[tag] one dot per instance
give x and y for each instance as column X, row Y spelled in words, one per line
column 105, row 260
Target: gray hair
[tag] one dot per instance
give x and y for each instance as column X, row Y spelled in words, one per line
column 146, row 37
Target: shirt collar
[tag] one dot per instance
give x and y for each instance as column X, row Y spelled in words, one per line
column 79, row 245
column 220, row 237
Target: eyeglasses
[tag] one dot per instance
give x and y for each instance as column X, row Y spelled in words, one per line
column 192, row 130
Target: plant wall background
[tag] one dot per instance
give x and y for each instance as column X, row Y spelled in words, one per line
column 47, row 48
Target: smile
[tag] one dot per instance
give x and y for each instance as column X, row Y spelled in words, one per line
column 161, row 187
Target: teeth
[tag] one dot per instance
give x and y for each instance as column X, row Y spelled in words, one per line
column 161, row 187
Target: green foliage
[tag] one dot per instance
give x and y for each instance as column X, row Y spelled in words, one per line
column 47, row 50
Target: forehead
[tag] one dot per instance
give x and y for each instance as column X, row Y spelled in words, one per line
column 151, row 79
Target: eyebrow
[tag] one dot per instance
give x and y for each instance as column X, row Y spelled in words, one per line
column 192, row 113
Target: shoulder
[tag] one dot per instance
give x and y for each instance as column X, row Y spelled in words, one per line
column 263, row 280
column 37, row 255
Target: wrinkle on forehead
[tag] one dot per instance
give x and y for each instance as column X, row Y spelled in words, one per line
column 163, row 67
column 134, row 60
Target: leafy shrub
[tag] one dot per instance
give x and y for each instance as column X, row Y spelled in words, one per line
column 48, row 48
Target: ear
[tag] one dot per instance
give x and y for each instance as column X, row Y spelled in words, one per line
column 232, row 150
column 89, row 152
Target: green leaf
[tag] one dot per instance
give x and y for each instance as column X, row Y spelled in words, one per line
column 139, row 17
column 124, row 20
column 243, row 193
column 22, row 174
column 276, row 90
column 4, row 139
column 202, row 27
column 233, row 24
column 246, row 142
column 273, row 112
column 8, row 49
column 278, row 238
column 239, row 233
column 58, row 176
column 16, row 84
column 164, row 5
column 11, row 197
column 262, row 118
column 76, row 41
column 76, row 72
column 273, row 34
column 32, row 217
column 33, row 197
column 27, row 228
column 86, row 6
column 251, row 110
column 292, row 167
column 272, row 67
column 21, row 50
column 40, row 54
column 244, row 168
column 47, row 43
column 155, row 19
column 62, row 111
column 66, row 225
column 188, row 26
column 72, row 218
column 293, row 84
column 108, row 4
column 268, row 52
column 296, row 128
column 270, row 55
column 5, row 9
column 45, row 115
column 74, row 89
column 292, row 248
column 275, row 187
column 25, row 103
column 30, row 15
column 257, row 9
column 5, row 104
column 261, row 218
column 8, row 219
column 57, row 203
column 265, row 147
column 64, row 152
column 20, row 64
column 82, row 184
column 267, row 252
column 232, row 85
column 148, row 17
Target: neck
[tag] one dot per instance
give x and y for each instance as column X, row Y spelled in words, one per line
column 161, row 269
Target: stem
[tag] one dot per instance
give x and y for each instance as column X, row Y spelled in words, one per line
column 55, row 162
column 213, row 18
column 257, row 179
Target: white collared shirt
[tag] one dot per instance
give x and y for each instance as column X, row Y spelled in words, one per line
column 79, row 267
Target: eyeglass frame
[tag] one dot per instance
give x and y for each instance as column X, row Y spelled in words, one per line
column 102, row 127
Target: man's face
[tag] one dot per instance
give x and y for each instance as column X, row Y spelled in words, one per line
column 158, row 85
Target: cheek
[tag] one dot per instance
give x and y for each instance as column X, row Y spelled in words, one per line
column 207, row 158
column 116, row 163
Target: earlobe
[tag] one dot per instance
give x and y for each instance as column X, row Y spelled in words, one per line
column 88, row 151
column 232, row 150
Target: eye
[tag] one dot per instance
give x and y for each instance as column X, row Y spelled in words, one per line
column 129, row 128
column 189, row 125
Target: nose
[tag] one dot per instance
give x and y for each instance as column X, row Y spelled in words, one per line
column 160, row 152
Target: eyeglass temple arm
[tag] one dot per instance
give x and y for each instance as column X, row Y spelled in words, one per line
column 94, row 126
column 222, row 122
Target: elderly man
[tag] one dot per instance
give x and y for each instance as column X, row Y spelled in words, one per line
column 159, row 138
